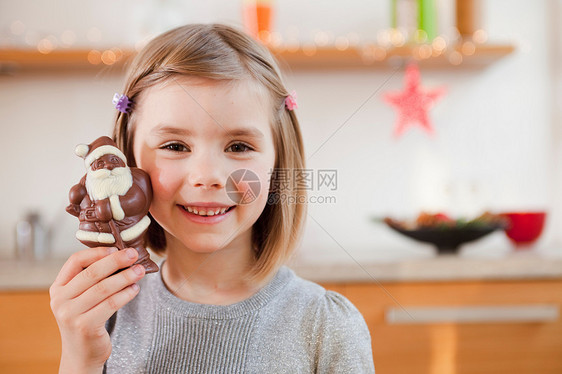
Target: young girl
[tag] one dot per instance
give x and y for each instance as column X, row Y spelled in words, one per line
column 209, row 108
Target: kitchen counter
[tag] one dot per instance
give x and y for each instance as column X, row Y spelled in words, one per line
column 524, row 264
column 520, row 265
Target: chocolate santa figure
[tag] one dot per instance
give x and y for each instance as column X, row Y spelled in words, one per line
column 112, row 201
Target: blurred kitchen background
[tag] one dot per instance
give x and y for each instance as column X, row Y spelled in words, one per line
column 497, row 130
column 497, row 144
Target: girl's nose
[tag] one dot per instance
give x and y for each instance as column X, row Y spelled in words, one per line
column 206, row 173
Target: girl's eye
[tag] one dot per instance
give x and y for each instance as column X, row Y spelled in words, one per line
column 175, row 147
column 239, row 148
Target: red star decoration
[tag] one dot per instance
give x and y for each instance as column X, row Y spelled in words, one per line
column 413, row 103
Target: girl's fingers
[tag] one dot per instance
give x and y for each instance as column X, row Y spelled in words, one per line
column 99, row 270
column 106, row 289
column 79, row 261
column 103, row 311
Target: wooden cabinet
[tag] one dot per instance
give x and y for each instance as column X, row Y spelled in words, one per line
column 485, row 327
column 29, row 335
column 430, row 341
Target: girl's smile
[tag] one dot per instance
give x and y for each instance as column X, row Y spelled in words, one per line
column 204, row 215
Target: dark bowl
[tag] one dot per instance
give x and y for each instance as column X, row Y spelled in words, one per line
column 447, row 239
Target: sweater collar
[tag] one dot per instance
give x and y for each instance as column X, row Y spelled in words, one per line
column 165, row 300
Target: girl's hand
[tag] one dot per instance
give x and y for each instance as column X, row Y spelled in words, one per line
column 85, row 294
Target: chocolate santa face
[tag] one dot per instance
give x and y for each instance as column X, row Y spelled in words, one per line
column 112, row 201
column 109, row 162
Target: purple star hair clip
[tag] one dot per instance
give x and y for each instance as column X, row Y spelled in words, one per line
column 122, row 103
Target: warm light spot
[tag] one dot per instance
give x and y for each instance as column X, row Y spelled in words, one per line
column 108, row 57
column 45, row 46
column 342, row 43
column 455, row 58
column 379, row 53
column 397, row 38
column 94, row 57
column 276, row 39
column 321, row 38
column 480, row 36
column 54, row 41
column 371, row 53
column 468, row 48
column 425, row 51
column 368, row 54
column 118, row 53
column 439, row 44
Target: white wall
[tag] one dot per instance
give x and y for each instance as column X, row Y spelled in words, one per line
column 492, row 149
column 556, row 109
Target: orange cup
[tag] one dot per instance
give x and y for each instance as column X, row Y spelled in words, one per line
column 257, row 16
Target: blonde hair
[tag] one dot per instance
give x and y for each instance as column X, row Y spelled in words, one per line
column 221, row 52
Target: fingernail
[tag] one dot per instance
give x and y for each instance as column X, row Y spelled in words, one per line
column 111, row 250
column 138, row 269
column 135, row 287
column 131, row 253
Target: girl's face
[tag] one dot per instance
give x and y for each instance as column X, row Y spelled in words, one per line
column 190, row 135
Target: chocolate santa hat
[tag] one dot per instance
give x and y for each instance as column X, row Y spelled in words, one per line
column 103, row 145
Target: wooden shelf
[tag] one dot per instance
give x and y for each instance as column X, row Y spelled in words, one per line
column 468, row 15
column 374, row 57
column 63, row 59
column 369, row 57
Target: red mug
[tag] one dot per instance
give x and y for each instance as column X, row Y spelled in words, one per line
column 524, row 227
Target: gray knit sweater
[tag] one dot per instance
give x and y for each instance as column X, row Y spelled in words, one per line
column 289, row 326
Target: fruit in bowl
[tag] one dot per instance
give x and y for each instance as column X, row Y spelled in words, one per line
column 445, row 233
column 524, row 228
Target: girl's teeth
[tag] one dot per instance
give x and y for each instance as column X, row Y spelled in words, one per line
column 204, row 212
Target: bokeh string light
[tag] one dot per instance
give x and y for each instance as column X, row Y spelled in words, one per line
column 21, row 37
column 385, row 44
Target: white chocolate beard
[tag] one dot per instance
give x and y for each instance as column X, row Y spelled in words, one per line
column 104, row 183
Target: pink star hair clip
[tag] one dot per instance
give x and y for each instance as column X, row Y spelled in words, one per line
column 291, row 100
column 122, row 103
